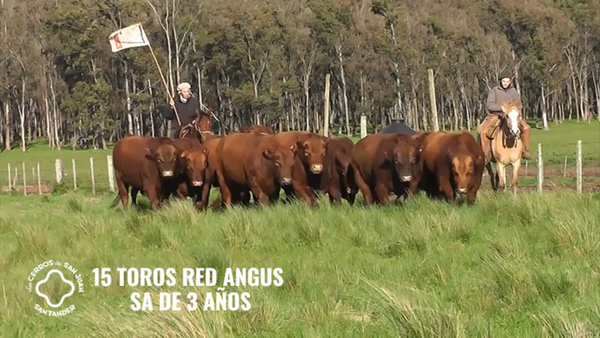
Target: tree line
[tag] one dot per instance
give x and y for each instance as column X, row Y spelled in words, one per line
column 266, row 63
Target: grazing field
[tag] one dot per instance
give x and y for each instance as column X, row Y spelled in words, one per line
column 504, row 267
column 558, row 143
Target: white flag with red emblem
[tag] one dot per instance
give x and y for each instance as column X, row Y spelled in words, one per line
column 128, row 37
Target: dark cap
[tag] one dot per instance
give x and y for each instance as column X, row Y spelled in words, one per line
column 505, row 74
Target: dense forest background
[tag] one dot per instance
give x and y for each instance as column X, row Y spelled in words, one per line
column 265, row 62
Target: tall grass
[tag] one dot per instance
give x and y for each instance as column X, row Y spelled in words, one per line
column 524, row 266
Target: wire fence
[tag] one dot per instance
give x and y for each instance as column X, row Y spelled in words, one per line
column 573, row 166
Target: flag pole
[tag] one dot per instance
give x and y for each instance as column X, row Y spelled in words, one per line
column 163, row 78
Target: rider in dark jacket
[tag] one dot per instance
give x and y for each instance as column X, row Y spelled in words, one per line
column 187, row 107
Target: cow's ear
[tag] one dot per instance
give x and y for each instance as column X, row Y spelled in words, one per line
column 150, row 155
column 182, row 154
column 294, row 148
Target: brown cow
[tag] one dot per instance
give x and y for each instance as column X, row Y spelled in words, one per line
column 384, row 163
column 452, row 162
column 253, row 162
column 334, row 180
column 193, row 172
column 257, row 129
column 308, row 166
column 133, row 164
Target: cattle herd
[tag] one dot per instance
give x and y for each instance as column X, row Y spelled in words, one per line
column 256, row 162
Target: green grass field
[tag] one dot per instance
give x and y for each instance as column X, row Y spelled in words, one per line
column 524, row 267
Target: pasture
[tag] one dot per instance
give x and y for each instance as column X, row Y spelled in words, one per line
column 504, row 267
column 507, row 266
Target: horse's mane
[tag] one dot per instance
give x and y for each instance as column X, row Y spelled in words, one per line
column 509, row 106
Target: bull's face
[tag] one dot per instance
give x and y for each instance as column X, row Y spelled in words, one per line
column 405, row 157
column 283, row 160
column 314, row 153
column 462, row 170
column 195, row 165
column 165, row 158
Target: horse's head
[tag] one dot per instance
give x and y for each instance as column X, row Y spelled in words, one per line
column 511, row 115
column 187, row 131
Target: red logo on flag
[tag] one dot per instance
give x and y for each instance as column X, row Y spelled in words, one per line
column 118, row 42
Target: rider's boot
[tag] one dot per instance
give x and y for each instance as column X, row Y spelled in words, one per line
column 486, row 143
column 525, row 130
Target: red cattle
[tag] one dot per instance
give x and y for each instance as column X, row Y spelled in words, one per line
column 384, row 163
column 193, row 172
column 452, row 162
column 257, row 129
column 308, row 166
column 336, row 167
column 253, row 162
column 143, row 163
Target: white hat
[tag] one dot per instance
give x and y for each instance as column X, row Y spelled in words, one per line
column 183, row 85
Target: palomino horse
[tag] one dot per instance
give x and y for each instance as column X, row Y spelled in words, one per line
column 506, row 146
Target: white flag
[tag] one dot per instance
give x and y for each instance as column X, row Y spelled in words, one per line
column 128, row 37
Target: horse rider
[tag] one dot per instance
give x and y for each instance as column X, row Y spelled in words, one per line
column 504, row 92
column 187, row 108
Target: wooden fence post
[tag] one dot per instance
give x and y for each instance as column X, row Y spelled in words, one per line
column 579, row 168
column 111, row 173
column 540, row 165
column 326, row 110
column 59, row 170
column 10, row 187
column 363, row 126
column 93, row 179
column 24, row 180
column 74, row 176
column 434, row 114
column 39, row 179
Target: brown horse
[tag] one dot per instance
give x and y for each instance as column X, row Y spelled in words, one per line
column 506, row 146
column 198, row 128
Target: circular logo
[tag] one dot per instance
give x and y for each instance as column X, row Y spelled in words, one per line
column 53, row 283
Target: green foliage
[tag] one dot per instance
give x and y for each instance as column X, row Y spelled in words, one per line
column 243, row 51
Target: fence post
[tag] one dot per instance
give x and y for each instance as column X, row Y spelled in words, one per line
column 326, row 110
column 111, row 173
column 59, row 170
column 434, row 113
column 9, row 179
column 74, row 176
column 363, row 126
column 24, row 180
column 93, row 179
column 39, row 179
column 579, row 168
column 540, row 165
column 565, row 170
